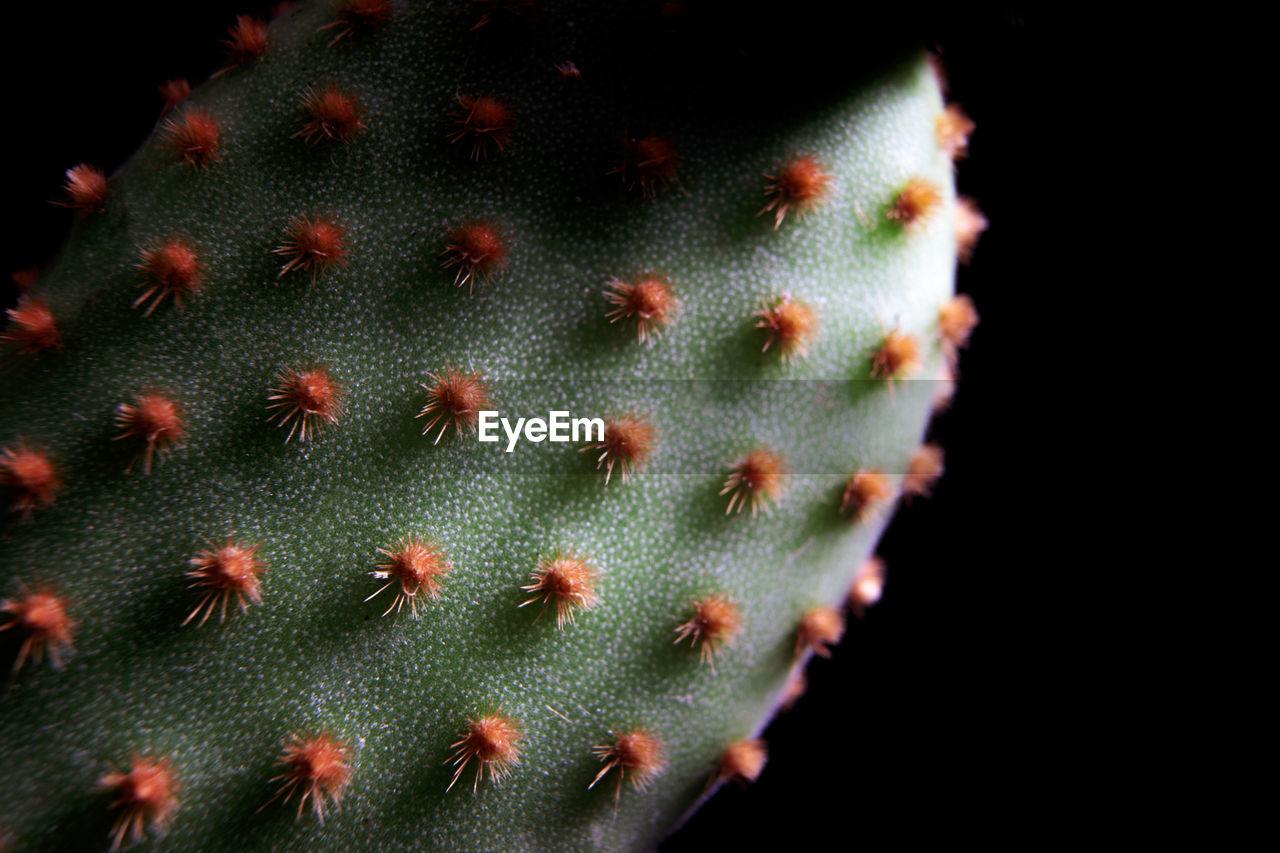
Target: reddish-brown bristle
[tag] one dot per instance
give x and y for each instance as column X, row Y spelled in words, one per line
column 455, row 398
column 85, row 188
column 628, row 441
column 647, row 162
column 821, row 628
column 418, row 565
column 493, row 741
column 568, row 71
column 231, row 570
column 566, row 579
column 743, row 761
column 31, row 475
column 155, row 417
column 307, row 398
column 359, row 15
column 195, row 136
column 333, row 114
column 756, row 480
column 867, row 586
column 946, row 384
column 957, row 319
column 649, row 302
column 478, row 249
column 864, row 492
column 897, row 357
column 41, row 618
column 318, row 245
column 953, row 129
column 146, row 796
column 31, row 326
column 970, row 223
column 636, row 753
column 171, row 268
column 484, row 122
column 923, row 471
column 174, row 92
column 915, row 202
column 246, row 40
column 501, row 10
column 317, row 766
column 715, row 622
column 789, row 324
column 799, row 185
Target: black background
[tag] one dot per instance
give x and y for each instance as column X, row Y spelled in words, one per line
column 920, row 723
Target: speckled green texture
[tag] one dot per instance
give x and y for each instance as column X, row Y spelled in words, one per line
column 221, row 699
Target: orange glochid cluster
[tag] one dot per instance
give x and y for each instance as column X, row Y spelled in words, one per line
column 417, row 565
column 715, row 622
column 195, row 136
column 566, row 579
column 800, row 185
column 31, row 475
column 84, row 188
column 743, row 761
column 230, row 570
column 789, row 324
column 897, row 357
column 146, row 796
column 820, row 628
column 649, row 302
column 307, row 398
column 478, row 249
column 358, row 15
column 914, row 203
column 646, row 162
column 484, row 121
column 246, row 41
column 170, row 268
column 492, row 741
column 158, row 419
column 319, row 767
column 40, row 617
column 926, row 466
column 637, row 754
column 756, row 480
column 31, row 326
column 331, row 114
column 313, row 244
column 628, row 441
column 864, row 493
column 455, row 398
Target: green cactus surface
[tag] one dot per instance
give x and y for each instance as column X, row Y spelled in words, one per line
column 490, row 218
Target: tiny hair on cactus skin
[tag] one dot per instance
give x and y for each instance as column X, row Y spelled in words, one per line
column 455, row 398
column 953, row 129
column 820, row 628
column 636, row 753
column 41, row 616
column 715, row 622
column 232, row 569
column 246, row 41
column 174, row 92
column 797, row 684
column 85, row 188
column 195, row 137
column 646, row 162
column 865, row 492
column 418, row 566
column 31, row 326
column 319, row 767
column 170, row 268
column 743, row 761
column 308, row 398
column 800, row 185
column 158, row 419
column 914, row 203
column 485, row 122
column 354, row 15
column 31, row 474
column 867, row 586
column 628, row 441
column 970, row 223
column 755, row 480
column 146, row 797
column 568, row 70
column 317, row 245
column 333, row 114
column 478, row 249
column 897, row 357
column 957, row 318
column 923, row 471
column 567, row 579
column 493, row 741
column 649, row 302
column 788, row 323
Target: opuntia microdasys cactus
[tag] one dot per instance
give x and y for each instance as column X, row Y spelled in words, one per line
column 281, row 594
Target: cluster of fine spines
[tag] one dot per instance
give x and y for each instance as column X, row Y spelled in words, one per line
column 314, row 244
